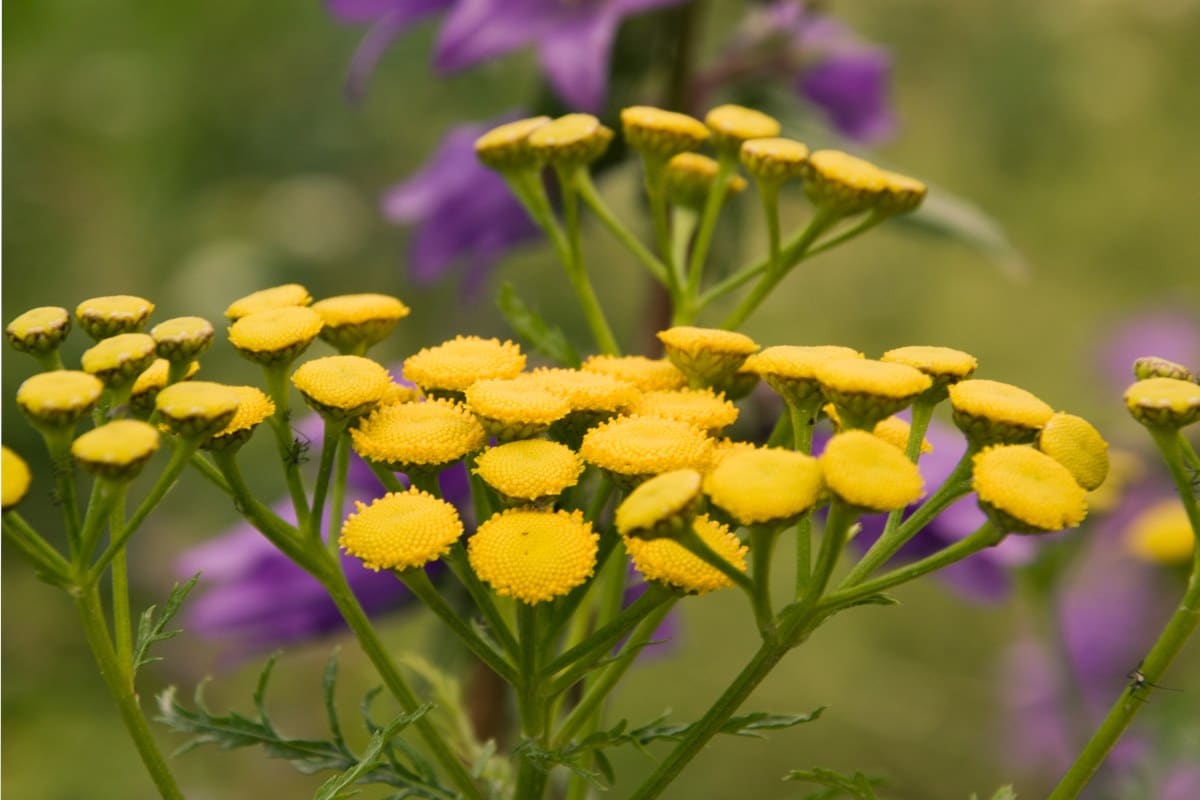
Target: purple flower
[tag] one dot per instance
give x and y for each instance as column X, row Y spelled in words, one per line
column 573, row 39
column 464, row 214
column 1174, row 336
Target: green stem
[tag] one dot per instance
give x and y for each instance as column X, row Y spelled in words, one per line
column 277, row 387
column 922, row 413
column 269, row 524
column 105, row 494
column 20, row 534
column 338, row 498
column 726, row 165
column 699, row 548
column 769, row 192
column 58, row 444
column 386, row 477
column 119, row 685
column 210, row 473
column 683, row 227
column 122, row 617
column 862, row 227
column 802, row 419
column 833, row 542
column 762, row 543
column 456, row 559
column 329, row 446
column 577, row 272
column 591, row 197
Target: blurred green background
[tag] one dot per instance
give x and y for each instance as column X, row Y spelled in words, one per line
column 191, row 153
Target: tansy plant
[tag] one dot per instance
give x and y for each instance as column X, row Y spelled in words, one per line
column 581, row 476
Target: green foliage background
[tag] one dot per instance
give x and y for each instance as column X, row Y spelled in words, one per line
column 192, row 152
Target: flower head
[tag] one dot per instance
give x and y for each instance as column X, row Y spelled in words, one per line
column 765, row 485
column 116, row 450
column 866, row 391
column 660, row 506
column 118, row 360
column 515, row 408
column 1162, row 533
column 635, row 448
column 197, row 408
column 896, row 431
column 792, row 370
column 15, row 477
column 102, row 317
column 842, row 183
column 60, row 398
column 454, row 365
column 731, row 125
column 277, row 335
column 357, row 322
column 39, row 330
column 1155, row 367
column 426, row 436
column 401, row 530
column 530, row 470
column 944, row 365
column 1073, row 442
column 506, row 146
column 668, row 562
column 254, row 408
column 690, row 176
column 571, row 140
column 1023, row 490
column 866, row 472
column 661, row 134
column 774, row 160
column 647, row 374
column 703, row 408
column 150, row 383
column 706, row 355
column 534, row 556
column 1164, row 402
column 991, row 412
column 341, row 387
column 183, row 338
column 587, row 390
column 286, row 296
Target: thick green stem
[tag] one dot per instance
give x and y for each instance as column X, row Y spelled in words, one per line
column 278, row 532
column 684, row 221
column 105, row 494
column 833, row 542
column 593, row 200
column 118, row 681
column 726, row 165
column 58, row 445
column 922, row 413
column 700, row 548
column 762, row 543
column 577, row 272
column 277, row 387
column 122, row 617
column 337, row 500
column 329, row 446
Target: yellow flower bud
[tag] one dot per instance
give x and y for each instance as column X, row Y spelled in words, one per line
column 196, row 409
column 1164, row 402
column 569, row 141
column 1025, row 491
column 101, row 317
column 117, row 450
column 944, row 365
column 1155, row 367
column 842, row 183
column 507, row 146
column 706, row 355
column 866, row 391
column 182, row 339
column 668, row 562
column 774, row 160
column 15, row 477
column 991, row 412
column 647, row 374
column 449, row 368
column 632, row 449
column 358, row 321
column 765, row 486
column 661, row 506
column 119, row 359
column 1162, row 534
column 254, row 407
column 286, row 296
column 530, row 471
column 275, row 336
column 341, row 387
column 1074, row 443
column 39, row 330
column 534, row 556
column 59, row 399
column 401, row 530
column 661, row 133
column 515, row 408
column 150, row 383
column 792, row 371
column 866, row 472
column 690, row 176
column 731, row 125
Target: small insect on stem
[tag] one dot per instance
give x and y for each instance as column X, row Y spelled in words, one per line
column 1138, row 681
column 298, row 451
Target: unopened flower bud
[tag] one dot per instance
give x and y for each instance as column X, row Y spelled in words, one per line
column 341, row 387
column 707, row 356
column 660, row 133
column 774, row 160
column 39, row 330
column 182, row 339
column 276, row 336
column 866, row 391
column 765, row 486
column 196, row 409
column 1164, row 402
column 663, row 506
column 569, row 141
column 530, row 471
column 991, row 412
column 117, row 450
column 118, row 360
column 15, row 476
column 285, row 296
column 506, row 147
column 731, row 125
column 791, row 370
column 101, row 317
column 59, row 399
column 1023, row 490
column 689, row 176
column 1073, row 442
column 866, row 472
column 150, row 383
column 254, row 407
column 1155, row 367
column 357, row 322
column 943, row 365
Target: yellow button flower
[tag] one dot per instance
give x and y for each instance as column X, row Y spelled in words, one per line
column 530, row 470
column 534, row 556
column 1023, row 490
column 119, row 359
column 60, row 398
column 454, row 365
column 668, row 562
column 896, row 431
column 765, row 485
column 341, row 387
column 411, row 436
column 660, row 506
column 15, row 477
column 701, row 407
column 661, row 133
column 507, row 146
column 727, row 447
column 866, row 391
column 401, row 530
column 196, row 408
column 1164, row 402
column 706, row 355
column 1074, row 443
column 733, row 124
column 275, row 336
column 944, row 365
column 792, row 370
column 774, row 160
column 150, row 383
column 632, row 449
column 357, row 322
column 689, row 177
column 182, row 338
column 101, row 317
column 866, row 472
column 1161, row 534
column 991, row 412
column 901, row 194
column 587, row 391
column 515, row 408
column 842, row 183
column 254, row 407
column 288, row 295
column 116, row 450
column 39, row 330
column 647, row 374
column 570, row 140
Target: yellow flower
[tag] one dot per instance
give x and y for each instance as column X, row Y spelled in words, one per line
column 706, row 355
column 866, row 472
column 454, row 365
column 400, row 393
column 60, row 398
column 401, row 530
column 1155, row 367
column 587, row 390
column 275, row 336
column 570, row 140
column 647, row 374
column 842, row 183
column 901, row 194
column 182, row 338
column 668, row 562
column 254, row 407
column 792, row 371
column 689, row 177
column 661, row 133
column 39, row 330
column 896, row 431
column 116, row 450
column 288, row 295
column 515, row 408
column 196, row 408
column 635, row 448
column 1161, row 534
column 1074, row 443
column 1025, row 491
column 765, row 485
column 150, row 383
column 15, row 477
column 119, row 359
column 991, row 412
column 727, row 447
column 866, row 391
column 732, row 124
column 660, row 506
column 507, row 146
column 358, row 321
column 944, row 365
column 701, row 407
column 1164, row 402
column 424, row 436
column 774, row 160
column 529, row 471
column 341, row 387
column 101, row 317
column 533, row 556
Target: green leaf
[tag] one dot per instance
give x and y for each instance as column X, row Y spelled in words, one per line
column 151, row 629
column 1005, row 793
column 858, row 785
column 948, row 216
column 338, row 786
column 547, row 339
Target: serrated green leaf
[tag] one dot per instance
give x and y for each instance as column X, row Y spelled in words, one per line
column 1005, row 793
column 528, row 325
column 151, row 630
column 858, row 785
column 949, row 216
column 328, row 683
column 339, row 786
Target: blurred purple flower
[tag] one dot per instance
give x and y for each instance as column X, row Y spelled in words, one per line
column 573, row 39
column 1174, row 336
column 464, row 214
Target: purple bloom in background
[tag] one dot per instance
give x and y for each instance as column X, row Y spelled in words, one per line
column 573, row 37
column 1173, row 336
column 464, row 214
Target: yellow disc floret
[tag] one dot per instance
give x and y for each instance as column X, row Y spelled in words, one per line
column 534, row 556
column 991, row 412
column 116, row 450
column 401, row 530
column 118, row 360
column 39, row 330
column 703, row 408
column 660, row 506
column 587, row 391
column 182, row 338
column 285, row 296
column 661, row 133
column 901, row 194
column 515, row 408
column 427, row 435
column 867, row 391
column 454, row 365
column 1161, row 534
column 1073, row 442
column 668, row 562
column 197, row 408
column 647, row 374
column 1023, row 490
column 356, row 322
column 531, row 470
column 843, row 184
column 15, row 477
column 507, row 146
column 635, row 448
column 275, row 336
column 1164, row 402
column 733, row 124
column 866, row 472
column 254, row 407
column 765, row 485
column 102, row 317
column 59, row 398
column 341, row 387
column 706, row 355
